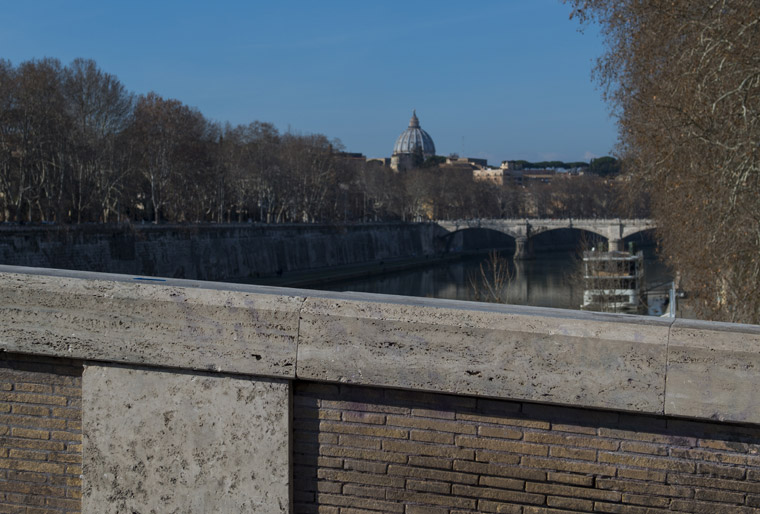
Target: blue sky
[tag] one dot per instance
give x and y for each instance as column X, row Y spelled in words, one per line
column 500, row 79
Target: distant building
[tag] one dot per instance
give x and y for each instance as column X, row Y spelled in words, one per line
column 474, row 162
column 544, row 176
column 494, row 175
column 412, row 147
column 511, row 165
column 382, row 161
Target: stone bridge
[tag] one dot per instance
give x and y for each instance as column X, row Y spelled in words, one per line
column 614, row 230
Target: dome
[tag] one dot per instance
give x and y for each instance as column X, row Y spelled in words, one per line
column 414, row 137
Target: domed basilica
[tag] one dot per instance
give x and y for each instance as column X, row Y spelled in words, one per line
column 412, row 147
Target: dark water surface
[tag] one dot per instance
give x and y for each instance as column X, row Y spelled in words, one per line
column 546, row 281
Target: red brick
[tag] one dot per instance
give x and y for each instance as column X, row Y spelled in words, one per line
column 360, row 478
column 502, row 445
column 359, row 429
column 431, row 437
column 420, row 509
column 644, row 488
column 33, row 388
column 500, row 470
column 563, row 452
column 433, row 413
column 430, row 462
column 571, row 479
column 433, row 474
column 576, row 504
column 366, row 503
column 429, row 486
column 505, row 495
column 440, row 425
column 562, row 439
column 717, row 470
column 433, row 499
column 359, row 441
column 362, row 490
column 646, row 500
column 361, row 465
column 502, row 483
column 432, row 450
column 642, row 461
column 364, row 417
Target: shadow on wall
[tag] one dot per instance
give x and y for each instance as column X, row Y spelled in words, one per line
column 382, row 449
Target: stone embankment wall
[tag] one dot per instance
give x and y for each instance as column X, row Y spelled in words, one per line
column 214, row 252
column 230, row 398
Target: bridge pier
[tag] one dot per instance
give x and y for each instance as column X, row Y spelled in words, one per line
column 522, row 249
column 615, row 245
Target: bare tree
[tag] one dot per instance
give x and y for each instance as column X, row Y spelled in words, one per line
column 168, row 140
column 494, row 276
column 99, row 107
column 42, row 129
column 10, row 192
column 683, row 77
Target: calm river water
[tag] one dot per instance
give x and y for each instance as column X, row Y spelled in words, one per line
column 545, row 281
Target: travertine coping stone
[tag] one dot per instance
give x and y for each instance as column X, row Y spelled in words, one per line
column 714, row 371
column 168, row 441
column 534, row 354
column 116, row 318
column 513, row 352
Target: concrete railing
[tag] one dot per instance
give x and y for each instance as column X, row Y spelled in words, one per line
column 211, row 367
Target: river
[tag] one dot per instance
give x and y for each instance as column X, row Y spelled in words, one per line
column 545, row 281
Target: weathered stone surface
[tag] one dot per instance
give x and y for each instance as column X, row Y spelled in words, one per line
column 533, row 354
column 158, row 442
column 524, row 353
column 714, row 371
column 213, row 251
column 185, row 324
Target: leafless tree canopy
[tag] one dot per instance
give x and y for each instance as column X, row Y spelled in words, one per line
column 76, row 146
column 683, row 77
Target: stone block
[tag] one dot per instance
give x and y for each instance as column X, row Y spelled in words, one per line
column 96, row 316
column 162, row 441
column 714, row 371
column 508, row 352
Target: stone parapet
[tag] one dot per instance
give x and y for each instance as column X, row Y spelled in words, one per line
column 618, row 362
column 141, row 394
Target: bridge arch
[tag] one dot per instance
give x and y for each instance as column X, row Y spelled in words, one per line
column 538, row 229
column 613, row 230
column 565, row 239
column 477, row 238
column 648, row 232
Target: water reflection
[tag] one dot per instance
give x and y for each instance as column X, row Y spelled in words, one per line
column 546, row 281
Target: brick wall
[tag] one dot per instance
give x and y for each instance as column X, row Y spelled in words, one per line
column 360, row 450
column 41, row 434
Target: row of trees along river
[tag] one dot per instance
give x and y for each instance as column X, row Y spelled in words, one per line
column 76, row 146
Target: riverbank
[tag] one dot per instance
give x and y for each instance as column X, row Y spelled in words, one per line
column 319, row 277
column 220, row 252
